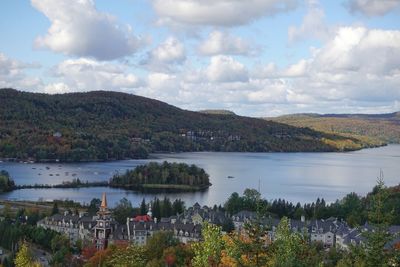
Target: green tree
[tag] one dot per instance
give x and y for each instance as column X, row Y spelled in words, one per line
column 208, row 252
column 94, row 206
column 158, row 243
column 376, row 255
column 287, row 245
column 143, row 207
column 123, row 210
column 55, row 210
column 132, row 256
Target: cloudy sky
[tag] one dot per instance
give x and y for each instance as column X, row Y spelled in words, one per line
column 254, row 57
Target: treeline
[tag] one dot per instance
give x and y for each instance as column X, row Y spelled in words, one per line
column 6, row 183
column 160, row 208
column 110, row 125
column 166, row 173
column 352, row 208
column 75, row 183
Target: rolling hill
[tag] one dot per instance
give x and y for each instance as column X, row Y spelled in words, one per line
column 375, row 128
column 103, row 125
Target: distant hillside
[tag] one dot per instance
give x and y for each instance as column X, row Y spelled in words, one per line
column 109, row 125
column 369, row 127
column 217, row 111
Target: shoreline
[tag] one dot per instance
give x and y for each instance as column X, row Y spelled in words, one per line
column 153, row 155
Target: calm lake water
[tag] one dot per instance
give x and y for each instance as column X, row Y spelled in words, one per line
column 293, row 176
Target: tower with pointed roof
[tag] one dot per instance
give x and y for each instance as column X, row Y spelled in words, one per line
column 103, row 228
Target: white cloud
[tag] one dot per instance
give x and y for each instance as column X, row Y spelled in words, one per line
column 269, row 70
column 226, row 69
column 57, row 88
column 223, row 43
column 163, row 58
column 296, row 70
column 270, row 91
column 218, row 12
column 357, row 64
column 358, row 49
column 87, row 74
column 78, row 29
column 372, row 7
column 12, row 74
column 356, row 70
column 312, row 26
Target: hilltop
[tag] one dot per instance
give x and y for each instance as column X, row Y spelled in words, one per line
column 217, row 111
column 101, row 125
column 373, row 128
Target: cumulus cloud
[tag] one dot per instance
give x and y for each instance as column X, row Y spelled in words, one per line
column 13, row 74
column 79, row 29
column 87, row 74
column 312, row 26
column 166, row 55
column 223, row 43
column 218, row 12
column 357, row 64
column 356, row 70
column 226, row 69
column 372, row 7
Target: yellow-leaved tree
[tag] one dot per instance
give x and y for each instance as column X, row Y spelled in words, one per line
column 24, row 257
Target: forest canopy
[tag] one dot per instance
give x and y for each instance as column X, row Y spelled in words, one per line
column 164, row 175
column 102, row 125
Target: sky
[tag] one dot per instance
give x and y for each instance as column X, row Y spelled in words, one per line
column 254, row 57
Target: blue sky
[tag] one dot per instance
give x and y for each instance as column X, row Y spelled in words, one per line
column 254, row 57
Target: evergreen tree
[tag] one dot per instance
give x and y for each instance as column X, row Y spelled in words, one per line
column 143, row 207
column 376, row 255
column 178, row 206
column 123, row 210
column 156, row 208
column 55, row 208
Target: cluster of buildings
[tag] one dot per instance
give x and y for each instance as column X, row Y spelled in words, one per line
column 329, row 232
column 102, row 229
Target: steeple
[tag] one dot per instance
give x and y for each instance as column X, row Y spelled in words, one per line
column 103, row 228
column 103, row 201
column 149, row 213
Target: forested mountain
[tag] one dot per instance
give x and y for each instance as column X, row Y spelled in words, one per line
column 373, row 128
column 104, row 125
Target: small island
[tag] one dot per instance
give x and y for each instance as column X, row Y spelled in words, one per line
column 163, row 177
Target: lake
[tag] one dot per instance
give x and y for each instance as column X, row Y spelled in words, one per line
column 297, row 177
